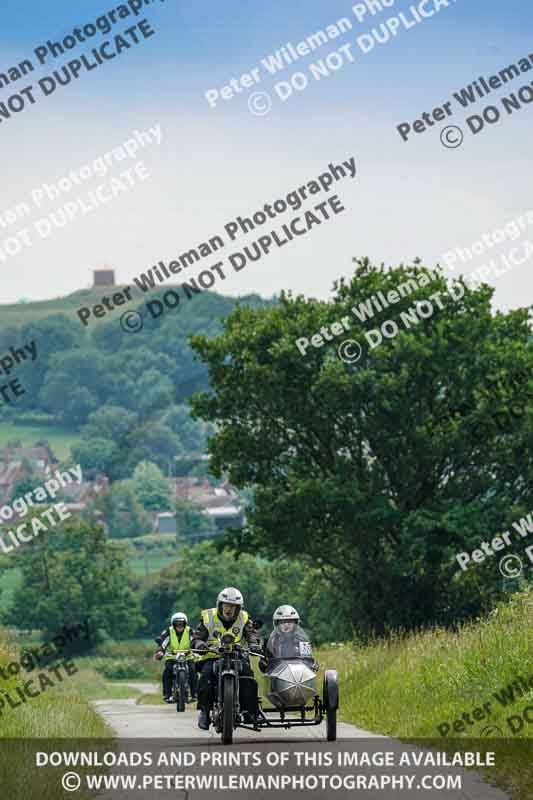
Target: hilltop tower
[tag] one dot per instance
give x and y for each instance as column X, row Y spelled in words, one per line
column 103, row 277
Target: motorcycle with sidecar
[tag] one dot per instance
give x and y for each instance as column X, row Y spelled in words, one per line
column 290, row 688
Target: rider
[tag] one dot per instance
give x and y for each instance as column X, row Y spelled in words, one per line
column 228, row 616
column 287, row 640
column 175, row 639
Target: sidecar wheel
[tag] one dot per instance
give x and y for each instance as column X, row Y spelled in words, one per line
column 330, row 699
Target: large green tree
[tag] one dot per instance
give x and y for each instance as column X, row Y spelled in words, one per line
column 72, row 573
column 123, row 513
column 378, row 471
column 151, row 487
column 191, row 522
column 96, row 454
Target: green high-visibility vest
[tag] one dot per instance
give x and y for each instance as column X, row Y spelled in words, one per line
column 216, row 629
column 177, row 646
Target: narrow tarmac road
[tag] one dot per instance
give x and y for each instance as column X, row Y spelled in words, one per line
column 165, row 730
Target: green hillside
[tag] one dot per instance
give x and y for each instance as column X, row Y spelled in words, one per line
column 16, row 314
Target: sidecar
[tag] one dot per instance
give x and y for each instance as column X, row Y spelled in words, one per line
column 290, row 686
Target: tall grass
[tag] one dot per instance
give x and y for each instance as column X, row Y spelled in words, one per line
column 407, row 685
column 61, row 712
column 128, row 659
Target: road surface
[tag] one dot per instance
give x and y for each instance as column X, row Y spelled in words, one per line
column 146, row 721
column 162, row 729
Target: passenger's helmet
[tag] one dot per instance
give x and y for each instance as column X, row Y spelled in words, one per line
column 285, row 614
column 230, row 596
column 179, row 617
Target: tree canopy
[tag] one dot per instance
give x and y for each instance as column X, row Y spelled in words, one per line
column 74, row 573
column 378, row 472
column 151, row 487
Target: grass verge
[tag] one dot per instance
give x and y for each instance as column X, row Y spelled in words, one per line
column 60, row 712
column 409, row 685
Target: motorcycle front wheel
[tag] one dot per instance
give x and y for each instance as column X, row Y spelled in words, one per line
column 228, row 693
column 182, row 691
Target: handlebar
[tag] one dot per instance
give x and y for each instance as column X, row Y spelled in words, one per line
column 219, row 650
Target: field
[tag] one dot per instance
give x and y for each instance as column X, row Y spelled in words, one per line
column 60, row 439
column 8, row 582
column 141, row 566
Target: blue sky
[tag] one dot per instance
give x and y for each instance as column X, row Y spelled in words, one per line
column 408, row 199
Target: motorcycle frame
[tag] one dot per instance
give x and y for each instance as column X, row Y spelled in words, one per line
column 179, row 664
column 265, row 722
column 227, row 664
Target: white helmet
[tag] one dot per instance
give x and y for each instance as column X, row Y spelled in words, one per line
column 231, row 596
column 285, row 614
column 179, row 617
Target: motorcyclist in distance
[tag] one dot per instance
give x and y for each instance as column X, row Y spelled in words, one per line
column 174, row 639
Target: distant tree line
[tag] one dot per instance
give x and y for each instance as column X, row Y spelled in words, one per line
column 125, row 393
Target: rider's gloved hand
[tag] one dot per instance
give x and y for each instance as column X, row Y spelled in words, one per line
column 158, row 656
column 201, row 646
column 263, row 664
column 315, row 666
